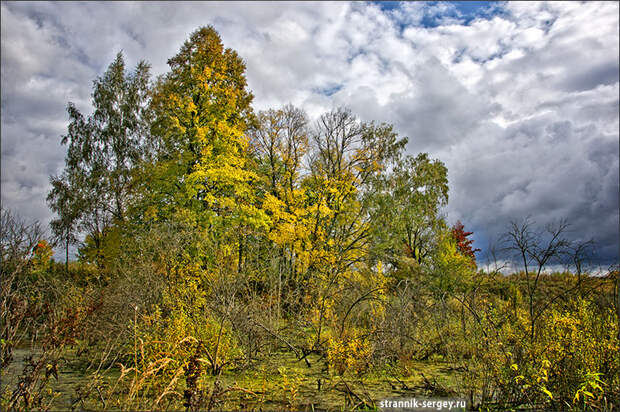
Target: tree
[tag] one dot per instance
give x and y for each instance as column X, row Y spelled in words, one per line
column 201, row 172
column 201, row 112
column 320, row 215
column 536, row 250
column 279, row 142
column 406, row 208
column 17, row 242
column 95, row 187
column 64, row 202
column 346, row 160
column 463, row 244
column 331, row 214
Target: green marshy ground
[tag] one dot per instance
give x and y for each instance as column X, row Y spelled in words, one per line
column 278, row 382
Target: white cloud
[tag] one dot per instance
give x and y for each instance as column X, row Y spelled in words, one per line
column 521, row 105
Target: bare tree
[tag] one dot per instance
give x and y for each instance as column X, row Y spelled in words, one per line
column 581, row 254
column 17, row 241
column 536, row 250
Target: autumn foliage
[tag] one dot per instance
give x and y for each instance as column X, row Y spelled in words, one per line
column 463, row 244
column 233, row 259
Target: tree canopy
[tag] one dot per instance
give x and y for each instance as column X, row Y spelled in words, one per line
column 96, row 186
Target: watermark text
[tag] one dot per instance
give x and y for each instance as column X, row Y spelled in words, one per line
column 418, row 404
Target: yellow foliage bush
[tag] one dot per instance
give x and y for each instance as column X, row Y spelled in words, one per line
column 349, row 354
column 573, row 363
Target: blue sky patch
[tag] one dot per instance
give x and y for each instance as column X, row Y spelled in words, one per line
column 464, row 11
column 328, row 91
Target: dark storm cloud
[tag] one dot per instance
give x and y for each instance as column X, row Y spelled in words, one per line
column 549, row 171
column 520, row 100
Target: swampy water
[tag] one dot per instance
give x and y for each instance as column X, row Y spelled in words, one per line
column 278, row 382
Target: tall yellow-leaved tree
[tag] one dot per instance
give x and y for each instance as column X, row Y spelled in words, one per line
column 202, row 110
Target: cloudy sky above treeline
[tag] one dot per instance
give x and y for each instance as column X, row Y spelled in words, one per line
column 520, row 100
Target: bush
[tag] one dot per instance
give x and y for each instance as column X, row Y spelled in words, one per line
column 349, row 353
column 573, row 363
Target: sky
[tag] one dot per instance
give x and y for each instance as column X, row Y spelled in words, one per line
column 520, row 100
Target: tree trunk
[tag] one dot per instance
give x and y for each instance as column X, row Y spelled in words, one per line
column 240, row 263
column 67, row 255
